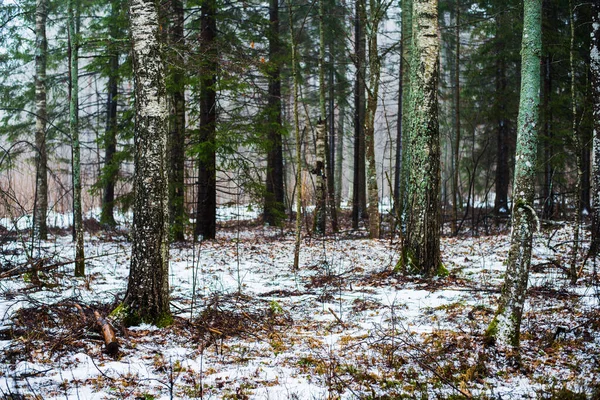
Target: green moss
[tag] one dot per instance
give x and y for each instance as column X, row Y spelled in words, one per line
column 442, row 271
column 164, row 320
column 489, row 337
column 128, row 317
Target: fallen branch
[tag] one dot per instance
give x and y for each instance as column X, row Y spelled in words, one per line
column 112, row 346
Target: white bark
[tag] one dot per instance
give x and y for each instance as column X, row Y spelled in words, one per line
column 147, row 298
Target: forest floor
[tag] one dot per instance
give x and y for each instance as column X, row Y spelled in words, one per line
column 247, row 326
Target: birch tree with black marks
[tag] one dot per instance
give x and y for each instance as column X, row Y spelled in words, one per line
column 147, row 297
column 505, row 326
column 595, row 75
column 41, row 182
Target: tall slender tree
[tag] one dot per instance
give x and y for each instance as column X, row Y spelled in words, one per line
column 111, row 167
column 421, row 251
column 595, row 72
column 73, row 22
column 404, row 119
column 505, row 326
column 147, row 297
column 41, row 54
column 177, row 122
column 274, row 194
column 206, row 207
column 358, row 184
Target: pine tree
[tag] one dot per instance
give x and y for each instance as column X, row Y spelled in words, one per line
column 177, row 131
column 274, row 193
column 505, row 326
column 206, row 207
column 147, row 297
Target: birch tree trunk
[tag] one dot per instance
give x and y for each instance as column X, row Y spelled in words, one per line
column 177, row 124
column 206, row 208
column 74, row 130
column 505, row 326
column 274, row 211
column 421, row 251
column 41, row 50
column 321, row 183
column 595, row 72
column 147, row 297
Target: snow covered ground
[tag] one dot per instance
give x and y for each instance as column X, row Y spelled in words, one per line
column 248, row 327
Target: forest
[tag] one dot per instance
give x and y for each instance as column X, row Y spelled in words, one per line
column 299, row 199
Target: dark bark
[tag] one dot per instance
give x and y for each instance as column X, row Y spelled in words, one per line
column 206, row 207
column 359, row 196
column 503, row 132
column 330, row 144
column 548, row 187
column 595, row 75
column 111, row 167
column 274, row 210
column 177, row 125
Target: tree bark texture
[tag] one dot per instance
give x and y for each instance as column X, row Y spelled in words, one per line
column 321, row 183
column 177, row 124
column 505, row 327
column 206, row 208
column 147, row 297
column 595, row 73
column 111, row 167
column 405, row 118
column 74, row 130
column 548, row 188
column 421, row 252
column 369, row 132
column 41, row 115
column 358, row 185
column 456, row 153
column 503, row 132
column 274, row 210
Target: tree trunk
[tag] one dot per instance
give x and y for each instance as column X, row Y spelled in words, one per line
column 274, row 210
column 456, row 160
column 295, row 80
column 339, row 159
column 206, row 209
column 502, row 156
column 505, row 327
column 548, row 195
column 73, row 20
column 111, row 167
column 321, row 183
column 421, row 251
column 147, row 297
column 577, row 149
column 595, row 72
column 330, row 145
column 369, row 132
column 41, row 184
column 406, row 119
column 177, row 125
column 358, row 185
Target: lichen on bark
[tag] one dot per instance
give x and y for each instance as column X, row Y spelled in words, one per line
column 147, row 297
column 505, row 327
column 423, row 208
